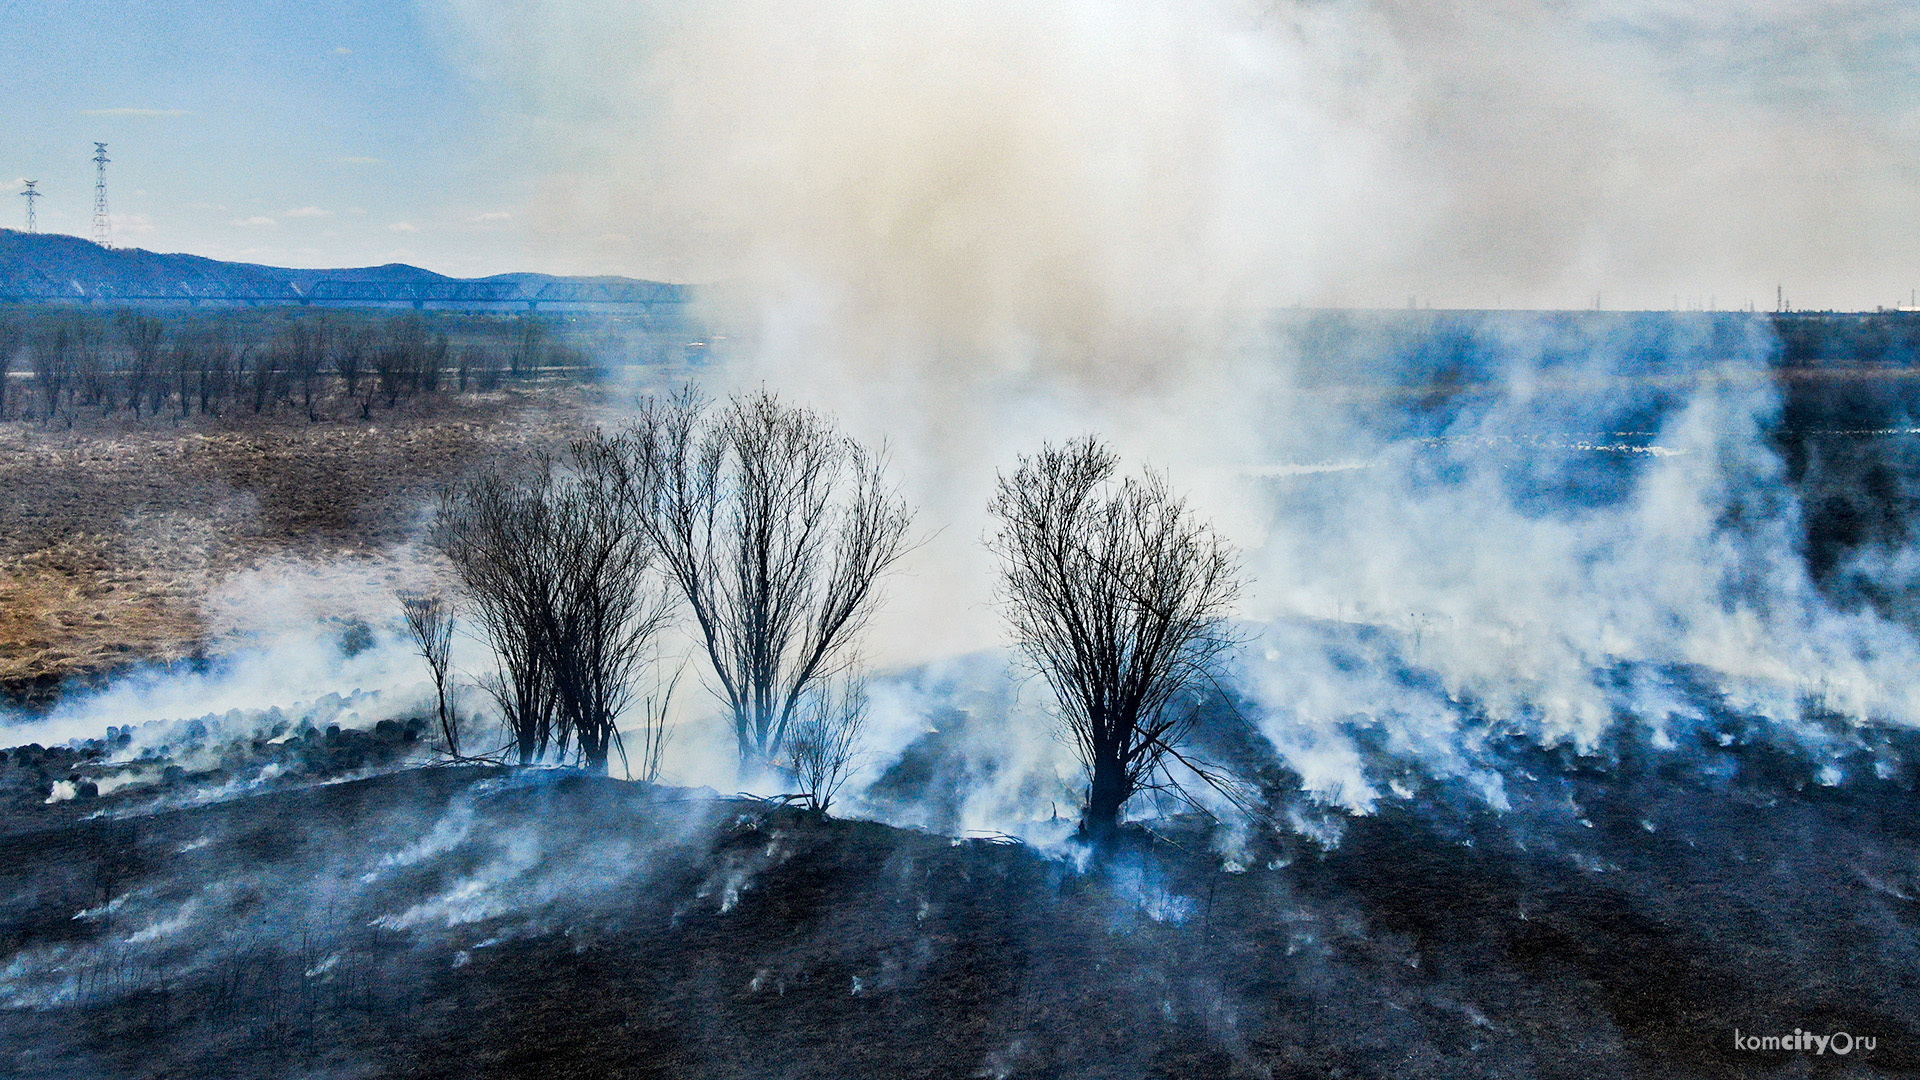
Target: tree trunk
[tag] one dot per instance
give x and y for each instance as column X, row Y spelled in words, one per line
column 595, row 748
column 1101, row 820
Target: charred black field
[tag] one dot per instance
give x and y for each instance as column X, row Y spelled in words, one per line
column 1621, row 920
column 1588, row 794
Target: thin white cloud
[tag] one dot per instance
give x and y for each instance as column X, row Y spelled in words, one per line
column 342, row 50
column 125, row 224
column 403, row 227
column 141, row 113
column 307, row 212
column 361, row 161
column 255, row 221
column 490, row 217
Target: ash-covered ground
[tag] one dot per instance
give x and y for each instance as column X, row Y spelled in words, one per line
column 288, row 914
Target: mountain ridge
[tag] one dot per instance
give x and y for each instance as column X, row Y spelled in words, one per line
column 56, row 266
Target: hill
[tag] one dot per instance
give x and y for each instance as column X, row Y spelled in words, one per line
column 42, row 267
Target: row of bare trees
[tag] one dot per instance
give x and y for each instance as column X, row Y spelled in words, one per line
column 138, row 364
column 759, row 520
column 772, row 531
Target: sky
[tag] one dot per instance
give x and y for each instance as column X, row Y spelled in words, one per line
column 312, row 134
column 1544, row 153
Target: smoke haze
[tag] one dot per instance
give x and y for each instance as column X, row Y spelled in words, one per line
column 1121, row 155
column 965, row 228
column 968, row 227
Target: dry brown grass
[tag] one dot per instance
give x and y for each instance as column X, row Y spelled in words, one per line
column 114, row 534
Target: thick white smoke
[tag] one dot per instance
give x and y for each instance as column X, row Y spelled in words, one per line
column 968, row 227
column 289, row 634
column 1030, row 158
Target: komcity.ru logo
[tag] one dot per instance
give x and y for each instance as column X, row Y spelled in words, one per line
column 1839, row 1042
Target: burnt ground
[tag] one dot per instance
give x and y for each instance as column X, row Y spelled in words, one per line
column 113, row 533
column 481, row 922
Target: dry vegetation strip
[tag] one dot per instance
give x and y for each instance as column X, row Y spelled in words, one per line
column 112, row 533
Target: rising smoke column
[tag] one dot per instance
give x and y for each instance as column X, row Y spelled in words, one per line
column 970, row 227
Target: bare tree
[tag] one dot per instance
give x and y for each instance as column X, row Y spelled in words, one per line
column 220, row 365
column 430, row 623
column 471, row 360
column 306, row 352
column 563, row 587
column 12, row 335
column 264, row 376
column 92, row 373
column 433, row 361
column 1119, row 597
column 776, row 528
column 608, row 606
column 529, row 346
column 350, row 354
column 401, row 360
column 143, row 334
column 492, row 529
column 50, row 354
column 824, row 739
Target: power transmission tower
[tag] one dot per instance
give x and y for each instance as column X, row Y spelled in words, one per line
column 30, row 195
column 102, row 231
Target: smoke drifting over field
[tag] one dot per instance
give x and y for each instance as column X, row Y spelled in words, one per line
column 967, row 227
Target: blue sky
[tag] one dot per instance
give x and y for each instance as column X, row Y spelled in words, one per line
column 315, row 133
column 1503, row 152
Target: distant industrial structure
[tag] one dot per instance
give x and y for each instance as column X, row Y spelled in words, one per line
column 533, row 294
column 102, row 229
column 30, row 195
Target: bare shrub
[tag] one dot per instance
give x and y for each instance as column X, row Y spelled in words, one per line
column 824, row 739
column 777, row 529
column 430, row 622
column 644, row 760
column 1118, row 597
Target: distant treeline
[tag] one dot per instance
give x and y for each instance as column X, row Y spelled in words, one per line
column 67, row 363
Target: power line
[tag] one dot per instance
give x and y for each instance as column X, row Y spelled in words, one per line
column 30, row 195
